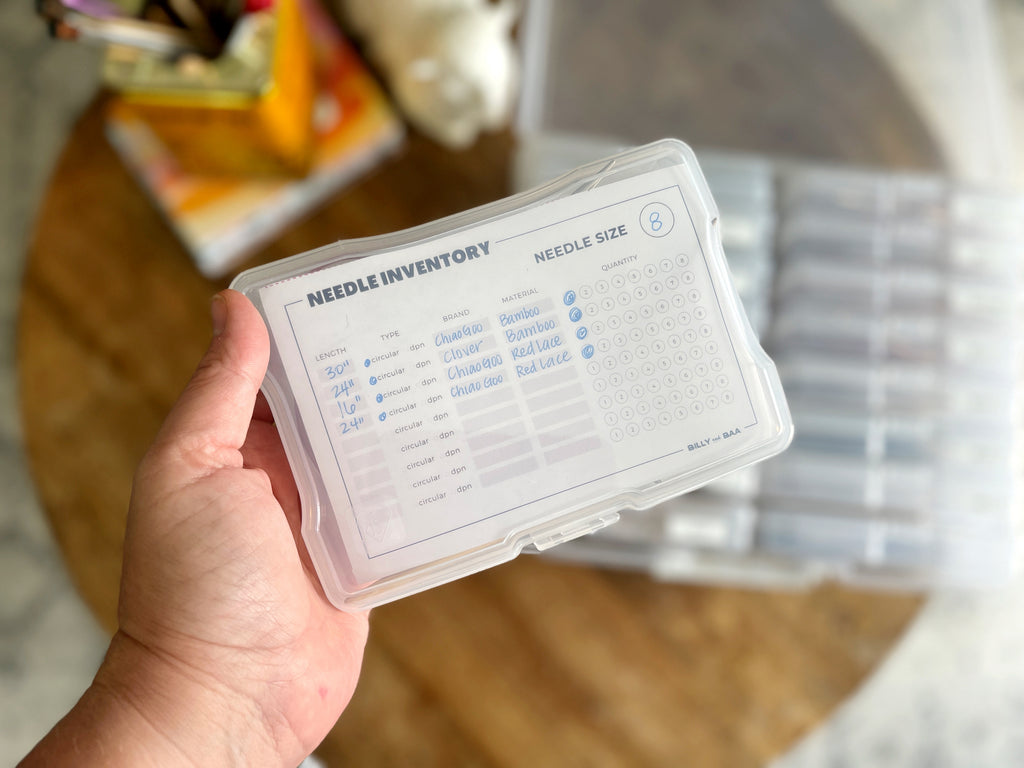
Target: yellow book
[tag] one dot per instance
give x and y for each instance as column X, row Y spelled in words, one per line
column 221, row 219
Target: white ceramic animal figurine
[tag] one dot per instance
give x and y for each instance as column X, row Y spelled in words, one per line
column 451, row 64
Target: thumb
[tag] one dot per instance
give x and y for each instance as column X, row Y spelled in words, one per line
column 211, row 418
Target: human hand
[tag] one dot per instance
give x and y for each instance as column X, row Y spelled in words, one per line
column 227, row 649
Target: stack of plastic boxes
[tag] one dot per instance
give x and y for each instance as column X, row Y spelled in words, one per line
column 891, row 306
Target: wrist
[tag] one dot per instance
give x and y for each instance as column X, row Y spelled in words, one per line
column 194, row 714
column 145, row 709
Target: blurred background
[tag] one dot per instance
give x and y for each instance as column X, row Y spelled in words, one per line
column 857, row 150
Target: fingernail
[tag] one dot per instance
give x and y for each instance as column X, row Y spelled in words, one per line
column 218, row 313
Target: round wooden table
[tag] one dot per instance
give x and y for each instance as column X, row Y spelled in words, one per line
column 530, row 664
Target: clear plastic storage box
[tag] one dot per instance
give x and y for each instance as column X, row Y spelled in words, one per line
column 892, row 309
column 889, row 301
column 513, row 376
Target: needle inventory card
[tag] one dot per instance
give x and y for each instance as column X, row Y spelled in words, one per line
column 515, row 375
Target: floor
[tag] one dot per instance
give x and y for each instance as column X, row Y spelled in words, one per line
column 43, row 86
column 951, row 693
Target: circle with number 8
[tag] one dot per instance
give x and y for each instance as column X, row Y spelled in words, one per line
column 656, row 219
